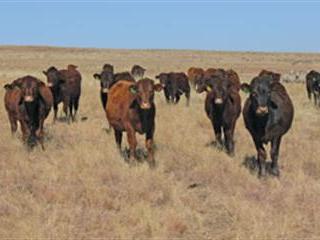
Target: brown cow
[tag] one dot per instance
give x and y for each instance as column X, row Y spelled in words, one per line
column 223, row 108
column 130, row 108
column 275, row 76
column 194, row 75
column 268, row 114
column 65, row 86
column 28, row 100
column 137, row 72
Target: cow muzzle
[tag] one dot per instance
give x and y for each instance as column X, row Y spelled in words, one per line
column 105, row 90
column 262, row 110
column 218, row 101
column 50, row 84
column 145, row 105
column 28, row 98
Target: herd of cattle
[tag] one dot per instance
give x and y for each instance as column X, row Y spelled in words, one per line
column 128, row 101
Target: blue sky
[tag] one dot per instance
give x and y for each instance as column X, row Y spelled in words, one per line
column 233, row 25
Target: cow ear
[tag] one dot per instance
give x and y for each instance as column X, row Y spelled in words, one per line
column 97, row 76
column 208, row 88
column 8, row 87
column 45, row 73
column 158, row 87
column 245, row 87
column 133, row 89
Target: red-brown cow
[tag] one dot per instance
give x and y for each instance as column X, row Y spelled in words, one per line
column 28, row 100
column 130, row 108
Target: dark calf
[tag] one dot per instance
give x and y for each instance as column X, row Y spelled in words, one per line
column 268, row 114
column 66, row 87
column 106, row 79
column 223, row 108
column 312, row 85
column 175, row 84
column 131, row 108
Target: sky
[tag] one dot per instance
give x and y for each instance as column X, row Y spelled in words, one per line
column 278, row 26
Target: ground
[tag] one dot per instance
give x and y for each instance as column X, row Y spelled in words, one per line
column 81, row 188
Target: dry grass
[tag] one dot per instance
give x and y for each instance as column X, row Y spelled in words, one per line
column 80, row 188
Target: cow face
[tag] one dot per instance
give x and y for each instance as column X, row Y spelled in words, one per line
column 260, row 93
column 219, row 87
column 29, row 88
column 54, row 78
column 106, row 80
column 163, row 78
column 144, row 91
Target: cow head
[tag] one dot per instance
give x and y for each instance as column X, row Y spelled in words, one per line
column 137, row 71
column 54, row 77
column 260, row 94
column 29, row 87
column 106, row 79
column 108, row 67
column 218, row 87
column 274, row 76
column 144, row 91
column 163, row 78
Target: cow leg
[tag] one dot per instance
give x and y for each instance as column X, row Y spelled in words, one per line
column 66, row 102
column 149, row 146
column 229, row 142
column 118, row 136
column 177, row 98
column 217, row 133
column 25, row 130
column 315, row 98
column 131, row 135
column 309, row 94
column 13, row 124
column 187, row 94
column 262, row 155
column 274, row 152
column 167, row 95
column 71, row 109
column 76, row 107
column 55, row 110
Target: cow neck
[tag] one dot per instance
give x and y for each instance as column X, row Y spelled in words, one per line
column 32, row 110
column 145, row 116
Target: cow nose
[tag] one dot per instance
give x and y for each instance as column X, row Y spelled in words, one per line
column 262, row 110
column 105, row 90
column 50, row 84
column 218, row 101
column 28, row 98
column 145, row 105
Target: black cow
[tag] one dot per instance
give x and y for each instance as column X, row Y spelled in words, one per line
column 268, row 113
column 223, row 108
column 175, row 84
column 313, row 86
column 106, row 79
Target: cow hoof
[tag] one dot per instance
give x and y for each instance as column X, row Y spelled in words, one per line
column 231, row 154
column 275, row 172
column 262, row 173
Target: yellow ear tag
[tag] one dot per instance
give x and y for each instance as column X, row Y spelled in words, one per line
column 208, row 88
